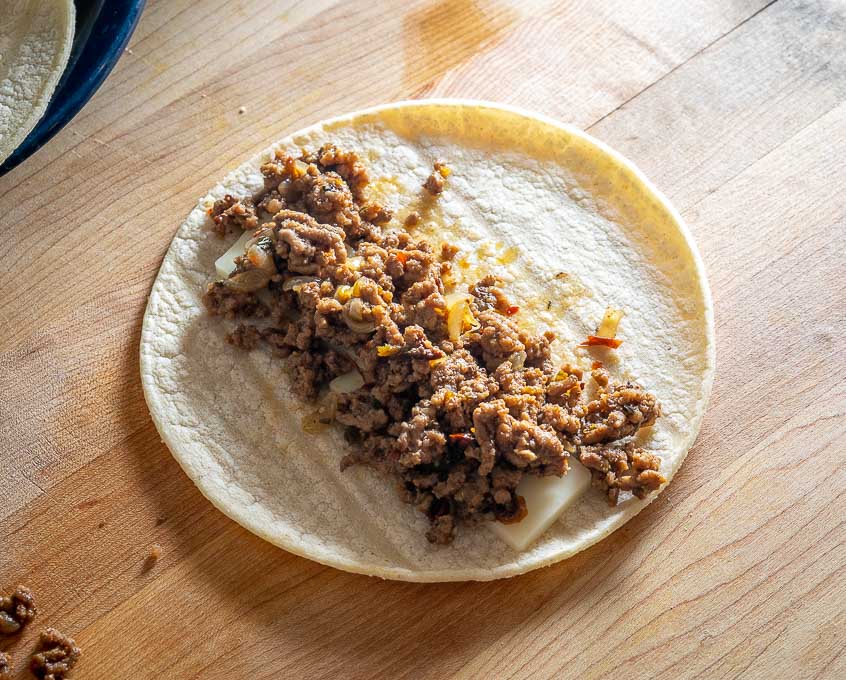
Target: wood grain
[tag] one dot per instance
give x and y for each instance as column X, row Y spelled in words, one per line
column 736, row 109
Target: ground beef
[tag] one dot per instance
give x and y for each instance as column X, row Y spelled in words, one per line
column 306, row 246
column 457, row 421
column 308, row 373
column 348, row 165
column 539, row 351
column 329, row 198
column 487, row 295
column 617, row 412
column 448, row 251
column 233, row 214
column 16, row 610
column 375, row 213
column 412, row 219
column 244, row 336
column 497, row 338
column 626, row 468
column 272, row 203
column 221, row 300
column 442, row 530
column 436, row 181
column 359, row 412
column 57, row 654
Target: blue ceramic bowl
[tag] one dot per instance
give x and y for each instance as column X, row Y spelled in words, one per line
column 103, row 28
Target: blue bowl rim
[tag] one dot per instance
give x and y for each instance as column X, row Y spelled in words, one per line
column 64, row 108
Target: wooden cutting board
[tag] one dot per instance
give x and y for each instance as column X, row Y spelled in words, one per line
column 736, row 109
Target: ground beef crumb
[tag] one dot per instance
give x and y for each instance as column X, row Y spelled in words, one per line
column 347, row 165
column 230, row 213
column 5, row 665
column 436, row 182
column 222, row 300
column 376, row 213
column 244, row 336
column 626, row 468
column 57, row 654
column 152, row 557
column 448, row 251
column 617, row 412
column 442, row 530
column 413, row 219
column 16, row 610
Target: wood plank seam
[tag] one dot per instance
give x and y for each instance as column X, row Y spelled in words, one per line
column 678, row 66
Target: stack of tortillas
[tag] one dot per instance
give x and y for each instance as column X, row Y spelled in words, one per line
column 35, row 43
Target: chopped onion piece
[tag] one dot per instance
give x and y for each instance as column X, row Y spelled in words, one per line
column 248, row 281
column 353, row 314
column 455, row 320
column 518, row 360
column 295, row 282
column 360, row 326
column 348, row 382
column 458, row 314
column 355, row 262
column 470, row 321
column 608, row 326
column 454, row 298
column 355, row 309
column 225, row 264
column 259, row 256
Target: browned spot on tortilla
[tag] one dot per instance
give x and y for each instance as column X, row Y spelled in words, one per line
column 445, row 34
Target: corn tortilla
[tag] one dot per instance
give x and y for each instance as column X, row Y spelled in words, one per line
column 569, row 224
column 35, row 43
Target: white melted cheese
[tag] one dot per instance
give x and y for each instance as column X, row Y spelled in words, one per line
column 225, row 264
column 546, row 498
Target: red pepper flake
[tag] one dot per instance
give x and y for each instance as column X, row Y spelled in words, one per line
column 512, row 310
column 597, row 341
column 209, row 211
column 461, row 438
column 402, row 256
column 595, row 365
